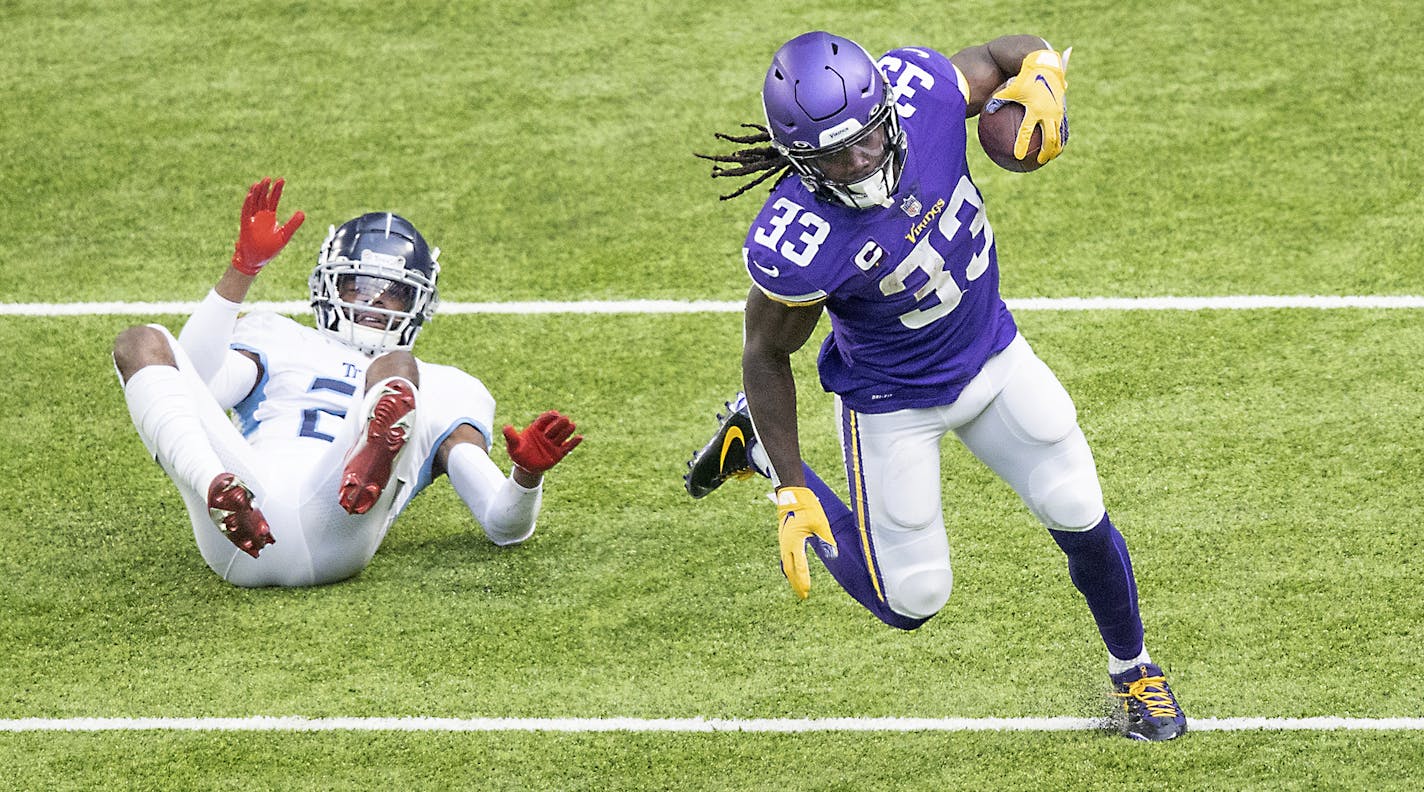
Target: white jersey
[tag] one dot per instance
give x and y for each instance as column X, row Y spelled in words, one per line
column 288, row 436
column 310, row 382
column 296, row 428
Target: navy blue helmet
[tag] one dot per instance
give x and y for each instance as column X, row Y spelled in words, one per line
column 374, row 283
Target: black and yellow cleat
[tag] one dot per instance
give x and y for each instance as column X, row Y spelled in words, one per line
column 726, row 454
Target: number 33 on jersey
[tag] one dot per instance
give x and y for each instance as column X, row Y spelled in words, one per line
column 939, row 292
column 913, row 280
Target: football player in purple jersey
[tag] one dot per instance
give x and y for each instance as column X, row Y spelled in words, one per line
column 335, row 428
column 876, row 222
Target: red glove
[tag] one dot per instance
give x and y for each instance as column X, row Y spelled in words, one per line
column 541, row 445
column 259, row 238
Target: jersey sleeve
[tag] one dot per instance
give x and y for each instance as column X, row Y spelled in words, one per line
column 451, row 397
column 918, row 74
column 781, row 280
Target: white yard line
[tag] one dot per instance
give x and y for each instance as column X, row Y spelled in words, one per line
column 1227, row 303
column 1061, row 723
column 585, row 725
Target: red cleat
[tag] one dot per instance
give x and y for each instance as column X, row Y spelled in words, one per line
column 368, row 468
column 230, row 504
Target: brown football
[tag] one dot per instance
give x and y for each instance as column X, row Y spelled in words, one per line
column 998, row 131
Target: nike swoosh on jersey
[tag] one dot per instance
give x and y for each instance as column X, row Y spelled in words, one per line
column 772, row 271
column 732, row 434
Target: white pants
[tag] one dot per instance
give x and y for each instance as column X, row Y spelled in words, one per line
column 316, row 540
column 1014, row 416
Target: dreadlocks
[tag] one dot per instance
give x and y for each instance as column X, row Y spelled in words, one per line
column 749, row 160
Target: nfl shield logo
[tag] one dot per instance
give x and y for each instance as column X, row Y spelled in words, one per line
column 911, row 206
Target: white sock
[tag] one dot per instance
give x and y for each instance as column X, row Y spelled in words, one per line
column 1117, row 666
column 162, row 409
column 760, row 462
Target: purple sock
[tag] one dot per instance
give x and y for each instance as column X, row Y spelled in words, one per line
column 1099, row 566
column 849, row 567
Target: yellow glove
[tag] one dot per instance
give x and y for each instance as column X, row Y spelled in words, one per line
column 800, row 517
column 1041, row 87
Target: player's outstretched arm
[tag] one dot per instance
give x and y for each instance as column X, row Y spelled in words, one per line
column 540, row 446
column 206, row 334
column 506, row 507
column 773, row 332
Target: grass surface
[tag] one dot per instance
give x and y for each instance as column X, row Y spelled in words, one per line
column 1272, row 548
column 1264, row 465
column 719, row 762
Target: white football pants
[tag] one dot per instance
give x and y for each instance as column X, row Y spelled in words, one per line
column 1014, row 416
column 317, row 541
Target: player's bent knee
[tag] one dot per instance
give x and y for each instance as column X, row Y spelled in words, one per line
column 396, row 363
column 140, row 346
column 138, row 341
column 921, row 594
column 1076, row 504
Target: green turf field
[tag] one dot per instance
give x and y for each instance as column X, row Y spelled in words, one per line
column 1264, row 465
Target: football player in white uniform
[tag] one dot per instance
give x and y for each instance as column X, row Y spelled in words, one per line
column 334, row 429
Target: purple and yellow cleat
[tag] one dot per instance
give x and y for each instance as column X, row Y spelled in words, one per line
column 1149, row 709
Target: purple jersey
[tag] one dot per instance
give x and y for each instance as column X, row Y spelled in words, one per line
column 912, row 288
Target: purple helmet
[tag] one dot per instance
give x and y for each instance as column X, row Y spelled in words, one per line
column 831, row 112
